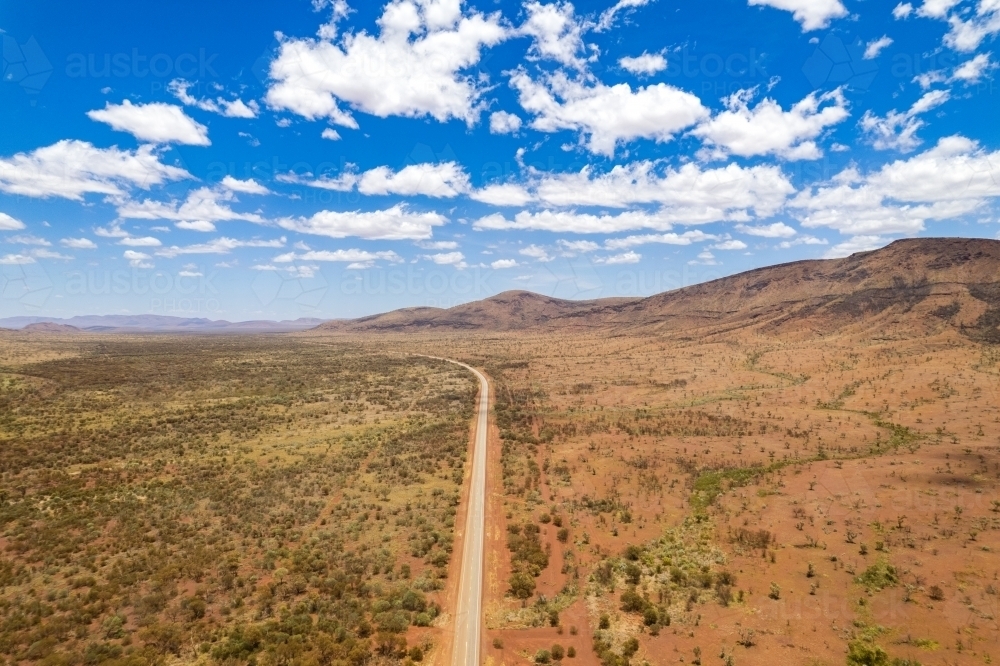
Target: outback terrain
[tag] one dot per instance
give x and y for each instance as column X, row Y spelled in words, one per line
column 796, row 465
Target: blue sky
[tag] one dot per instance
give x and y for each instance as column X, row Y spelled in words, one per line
column 335, row 159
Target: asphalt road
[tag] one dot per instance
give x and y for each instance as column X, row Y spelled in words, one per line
column 469, row 612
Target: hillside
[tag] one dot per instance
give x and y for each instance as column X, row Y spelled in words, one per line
column 922, row 283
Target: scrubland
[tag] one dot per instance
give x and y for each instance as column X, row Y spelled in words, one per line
column 225, row 500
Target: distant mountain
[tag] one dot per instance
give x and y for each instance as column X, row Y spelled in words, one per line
column 919, row 283
column 156, row 324
column 49, row 327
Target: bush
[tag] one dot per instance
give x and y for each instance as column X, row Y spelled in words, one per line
column 557, row 652
column 879, row 576
column 543, row 657
column 632, row 601
column 860, row 653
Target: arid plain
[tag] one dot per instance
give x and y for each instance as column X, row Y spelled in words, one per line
column 809, row 478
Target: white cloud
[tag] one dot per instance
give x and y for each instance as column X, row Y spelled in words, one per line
column 855, row 244
column 219, row 246
column 437, row 245
column 249, row 186
column 456, row 259
column 71, row 169
column 330, row 134
column 137, row 259
column 580, row 246
column 41, row 253
column 28, row 240
column 16, row 260
column 936, row 8
column 536, row 253
column 973, row 70
column 156, row 123
column 78, row 243
column 954, row 178
column 812, row 14
column 235, row 108
column 767, row 130
column 705, row 258
column 695, row 195
column 898, row 131
column 8, row 223
column 686, row 238
column 146, row 241
column 357, row 258
column 802, row 240
column 581, row 223
column 902, row 10
column 608, row 16
column 203, row 226
column 501, row 264
column 606, row 116
column 647, row 63
column 203, row 205
column 445, row 180
column 875, row 47
column 502, row 122
column 624, row 258
column 502, row 195
column 730, row 245
column 556, row 33
column 414, row 68
column 775, row 230
column 345, row 182
column 396, row 223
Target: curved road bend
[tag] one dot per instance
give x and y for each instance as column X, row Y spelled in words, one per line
column 469, row 611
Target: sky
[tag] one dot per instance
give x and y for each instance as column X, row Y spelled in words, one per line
column 331, row 158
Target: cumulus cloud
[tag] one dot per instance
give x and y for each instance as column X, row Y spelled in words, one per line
column 954, row 178
column 155, row 123
column 16, row 260
column 456, row 259
column 584, row 223
column 198, row 212
column 502, row 122
column 968, row 27
column 536, row 253
column 775, row 230
column 249, row 186
column 445, row 180
column 8, row 223
column 330, row 134
column 71, row 169
column 230, row 108
column 686, row 238
column 137, row 259
column 875, row 47
column 902, row 11
column 768, row 130
column 501, row 264
column 855, row 244
column 413, row 68
column 508, row 194
column 556, row 33
column 972, row 71
column 623, row 258
column 78, row 243
column 219, row 246
column 705, row 258
column 145, row 241
column 579, row 246
column 802, row 240
column 696, row 195
column 898, row 130
column 396, row 223
column 731, row 244
column 811, row 14
column 647, row 63
column 606, row 116
column 357, row 258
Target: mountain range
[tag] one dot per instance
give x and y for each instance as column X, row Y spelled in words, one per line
column 922, row 284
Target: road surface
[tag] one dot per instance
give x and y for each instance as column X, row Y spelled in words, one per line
column 468, row 613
